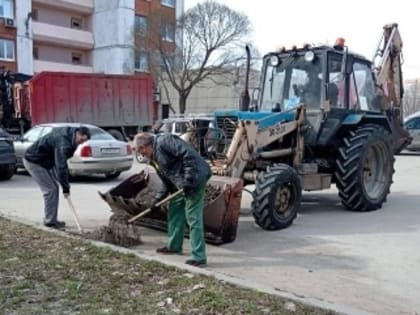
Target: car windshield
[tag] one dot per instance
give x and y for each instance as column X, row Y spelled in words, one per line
column 99, row 134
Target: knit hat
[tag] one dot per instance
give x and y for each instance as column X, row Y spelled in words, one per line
column 143, row 138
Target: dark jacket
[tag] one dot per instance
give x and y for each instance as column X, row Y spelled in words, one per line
column 178, row 165
column 53, row 150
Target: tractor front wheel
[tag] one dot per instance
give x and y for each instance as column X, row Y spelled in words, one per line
column 277, row 197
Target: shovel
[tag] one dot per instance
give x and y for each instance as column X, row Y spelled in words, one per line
column 75, row 216
column 163, row 201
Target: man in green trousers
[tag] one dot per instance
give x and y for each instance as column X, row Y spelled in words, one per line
column 180, row 167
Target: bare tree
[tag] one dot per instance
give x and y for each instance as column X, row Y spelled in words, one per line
column 411, row 97
column 210, row 38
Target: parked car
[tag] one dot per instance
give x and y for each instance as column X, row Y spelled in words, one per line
column 197, row 129
column 102, row 154
column 412, row 124
column 7, row 156
column 179, row 125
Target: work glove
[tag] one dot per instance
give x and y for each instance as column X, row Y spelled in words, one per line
column 154, row 208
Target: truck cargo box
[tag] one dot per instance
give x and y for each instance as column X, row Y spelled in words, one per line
column 108, row 101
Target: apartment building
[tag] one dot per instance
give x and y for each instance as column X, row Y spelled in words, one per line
column 90, row 36
column 8, row 35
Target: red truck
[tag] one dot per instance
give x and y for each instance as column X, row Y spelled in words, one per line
column 120, row 104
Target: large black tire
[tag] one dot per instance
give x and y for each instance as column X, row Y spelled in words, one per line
column 277, row 197
column 365, row 166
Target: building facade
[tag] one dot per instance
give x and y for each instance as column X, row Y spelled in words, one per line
column 89, row 36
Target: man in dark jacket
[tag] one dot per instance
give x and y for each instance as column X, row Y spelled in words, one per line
column 46, row 161
column 180, row 167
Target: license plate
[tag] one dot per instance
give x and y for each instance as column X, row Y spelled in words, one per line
column 110, row 150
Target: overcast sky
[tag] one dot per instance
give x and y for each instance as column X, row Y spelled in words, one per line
column 279, row 23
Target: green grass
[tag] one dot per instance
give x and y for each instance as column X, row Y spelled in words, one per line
column 45, row 273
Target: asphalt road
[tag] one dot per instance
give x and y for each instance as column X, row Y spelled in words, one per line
column 359, row 263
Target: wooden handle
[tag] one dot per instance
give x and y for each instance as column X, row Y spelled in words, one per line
column 163, row 201
column 73, row 211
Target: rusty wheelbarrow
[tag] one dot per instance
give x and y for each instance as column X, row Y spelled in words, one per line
column 221, row 212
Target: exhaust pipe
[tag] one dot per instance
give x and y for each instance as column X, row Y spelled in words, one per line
column 245, row 99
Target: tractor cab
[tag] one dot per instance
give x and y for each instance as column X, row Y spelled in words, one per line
column 314, row 75
column 331, row 82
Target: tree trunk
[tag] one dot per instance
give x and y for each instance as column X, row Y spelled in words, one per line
column 182, row 103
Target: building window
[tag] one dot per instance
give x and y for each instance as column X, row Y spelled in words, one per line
column 6, row 9
column 168, row 32
column 76, row 23
column 141, row 62
column 76, row 58
column 7, row 50
column 140, row 25
column 168, row 3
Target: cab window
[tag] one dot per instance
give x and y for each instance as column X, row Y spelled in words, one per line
column 363, row 87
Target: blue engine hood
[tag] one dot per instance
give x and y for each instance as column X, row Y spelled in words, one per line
column 266, row 119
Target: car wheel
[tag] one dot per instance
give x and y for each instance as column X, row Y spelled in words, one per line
column 7, row 172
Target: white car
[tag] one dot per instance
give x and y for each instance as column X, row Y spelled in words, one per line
column 412, row 124
column 102, row 154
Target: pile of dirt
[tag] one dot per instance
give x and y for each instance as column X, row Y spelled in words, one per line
column 118, row 232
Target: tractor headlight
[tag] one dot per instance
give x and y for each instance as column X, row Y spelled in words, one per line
column 274, row 60
column 309, row 56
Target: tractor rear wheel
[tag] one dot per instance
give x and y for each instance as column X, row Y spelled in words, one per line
column 365, row 166
column 277, row 197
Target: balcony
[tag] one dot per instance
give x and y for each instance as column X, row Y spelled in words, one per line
column 81, row 6
column 62, row 36
column 42, row 65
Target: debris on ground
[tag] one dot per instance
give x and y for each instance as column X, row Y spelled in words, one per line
column 118, row 232
column 45, row 273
